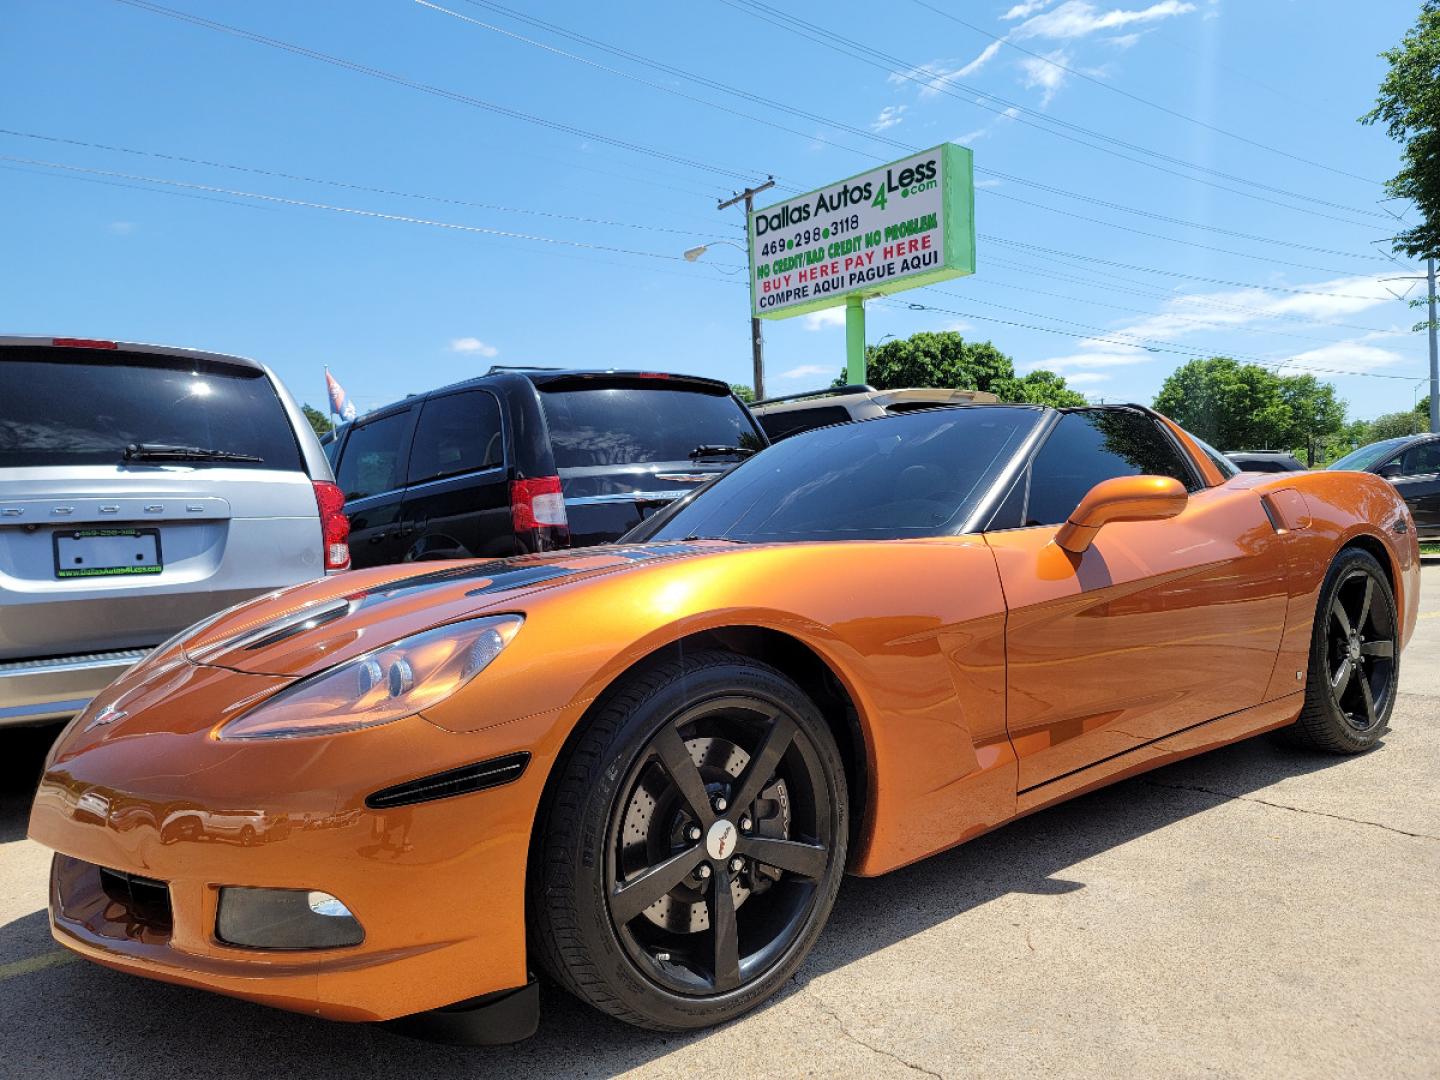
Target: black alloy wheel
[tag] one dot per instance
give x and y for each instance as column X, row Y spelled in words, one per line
column 1360, row 651
column 1354, row 658
column 691, row 861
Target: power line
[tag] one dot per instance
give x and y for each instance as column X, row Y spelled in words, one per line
column 450, row 95
column 1181, row 352
column 1167, row 273
column 682, row 73
column 1005, row 40
column 1199, row 324
column 1200, row 299
column 1161, row 236
column 281, row 200
column 342, row 183
column 1020, row 113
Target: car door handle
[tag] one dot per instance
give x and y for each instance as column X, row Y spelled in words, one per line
column 376, row 538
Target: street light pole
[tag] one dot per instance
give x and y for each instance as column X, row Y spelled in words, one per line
column 757, row 345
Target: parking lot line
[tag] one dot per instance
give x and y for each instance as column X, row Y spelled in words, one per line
column 32, row 964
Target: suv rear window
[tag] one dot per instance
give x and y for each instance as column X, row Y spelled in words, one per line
column 374, row 457
column 84, row 407
column 616, row 426
column 781, row 425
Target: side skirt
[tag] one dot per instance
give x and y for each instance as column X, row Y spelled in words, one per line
column 1182, row 744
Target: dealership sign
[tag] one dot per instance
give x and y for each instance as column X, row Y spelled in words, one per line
column 896, row 227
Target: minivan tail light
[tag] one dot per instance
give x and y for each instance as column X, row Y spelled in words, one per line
column 334, row 525
column 538, row 503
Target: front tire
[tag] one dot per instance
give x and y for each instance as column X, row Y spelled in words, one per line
column 691, row 846
column 1354, row 659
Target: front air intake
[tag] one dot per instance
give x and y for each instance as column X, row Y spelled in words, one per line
column 442, row 785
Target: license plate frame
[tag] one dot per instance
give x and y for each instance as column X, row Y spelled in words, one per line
column 73, row 554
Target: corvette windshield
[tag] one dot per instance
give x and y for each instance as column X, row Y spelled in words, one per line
column 918, row 474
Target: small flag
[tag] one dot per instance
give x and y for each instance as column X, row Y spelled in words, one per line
column 340, row 403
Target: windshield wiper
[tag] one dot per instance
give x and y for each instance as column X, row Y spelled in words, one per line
column 168, row 452
column 709, row 451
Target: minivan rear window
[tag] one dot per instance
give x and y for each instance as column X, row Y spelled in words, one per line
column 78, row 407
column 616, row 426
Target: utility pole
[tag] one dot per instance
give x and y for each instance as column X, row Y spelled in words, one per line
column 1434, row 353
column 757, row 345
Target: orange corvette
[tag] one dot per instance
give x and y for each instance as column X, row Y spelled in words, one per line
column 644, row 769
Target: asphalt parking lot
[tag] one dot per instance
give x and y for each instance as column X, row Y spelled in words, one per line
column 1258, row 911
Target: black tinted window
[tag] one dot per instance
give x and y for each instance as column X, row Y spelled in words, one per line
column 617, row 426
column 913, row 475
column 1421, row 460
column 455, row 434
column 374, row 457
column 781, row 425
column 83, row 407
column 1088, row 447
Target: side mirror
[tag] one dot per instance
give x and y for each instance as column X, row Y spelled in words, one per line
column 1389, row 470
column 1122, row 498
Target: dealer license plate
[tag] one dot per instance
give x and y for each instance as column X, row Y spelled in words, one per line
column 81, row 553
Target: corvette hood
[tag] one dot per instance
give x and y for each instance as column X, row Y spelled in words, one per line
column 311, row 627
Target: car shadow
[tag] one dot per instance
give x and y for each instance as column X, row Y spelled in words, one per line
column 77, row 1017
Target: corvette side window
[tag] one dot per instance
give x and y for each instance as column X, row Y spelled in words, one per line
column 1092, row 445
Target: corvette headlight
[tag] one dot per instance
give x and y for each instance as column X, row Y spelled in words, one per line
column 389, row 683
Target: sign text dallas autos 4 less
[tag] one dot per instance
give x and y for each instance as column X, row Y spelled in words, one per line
column 899, row 226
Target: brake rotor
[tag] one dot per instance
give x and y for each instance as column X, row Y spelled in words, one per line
column 655, row 824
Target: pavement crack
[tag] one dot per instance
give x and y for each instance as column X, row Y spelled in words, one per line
column 881, row 1051
column 1293, row 809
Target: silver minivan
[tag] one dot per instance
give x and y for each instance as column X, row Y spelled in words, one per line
column 142, row 489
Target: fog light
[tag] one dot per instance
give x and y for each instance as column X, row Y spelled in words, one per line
column 285, row 919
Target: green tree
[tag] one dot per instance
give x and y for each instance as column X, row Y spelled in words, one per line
column 1409, row 106
column 1247, row 407
column 318, row 420
column 1393, row 425
column 1038, row 387
column 946, row 359
column 743, row 392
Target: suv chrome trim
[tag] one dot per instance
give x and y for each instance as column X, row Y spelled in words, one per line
column 82, row 662
column 632, row 496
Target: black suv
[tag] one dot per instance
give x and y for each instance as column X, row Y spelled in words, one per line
column 531, row 459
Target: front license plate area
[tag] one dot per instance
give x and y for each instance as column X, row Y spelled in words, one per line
column 83, row 553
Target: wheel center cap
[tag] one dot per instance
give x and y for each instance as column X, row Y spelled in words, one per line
column 1354, row 649
column 720, row 841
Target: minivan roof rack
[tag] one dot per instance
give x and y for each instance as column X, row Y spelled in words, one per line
column 833, row 391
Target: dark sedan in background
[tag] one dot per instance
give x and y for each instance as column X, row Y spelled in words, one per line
column 1412, row 464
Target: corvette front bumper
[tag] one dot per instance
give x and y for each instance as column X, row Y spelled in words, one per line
column 438, row 887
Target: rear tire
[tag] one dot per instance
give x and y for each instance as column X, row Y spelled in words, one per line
column 652, row 893
column 1354, row 659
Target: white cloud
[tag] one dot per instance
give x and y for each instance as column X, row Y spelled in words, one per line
column 1077, row 18
column 1046, row 72
column 1124, row 41
column 889, row 116
column 825, row 318
column 1087, row 378
column 121, row 228
column 970, row 136
column 986, row 54
column 988, row 182
column 806, row 371
column 957, row 326
column 1023, row 10
column 474, row 346
column 933, row 76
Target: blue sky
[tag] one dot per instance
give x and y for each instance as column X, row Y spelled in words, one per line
column 557, row 239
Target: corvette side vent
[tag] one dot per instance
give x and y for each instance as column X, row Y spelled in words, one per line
column 442, row 785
